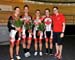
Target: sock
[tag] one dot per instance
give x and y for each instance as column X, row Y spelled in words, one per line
column 25, row 50
column 28, row 50
column 46, row 50
column 35, row 50
column 51, row 51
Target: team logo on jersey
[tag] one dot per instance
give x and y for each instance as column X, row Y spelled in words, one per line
column 36, row 22
column 48, row 21
column 27, row 19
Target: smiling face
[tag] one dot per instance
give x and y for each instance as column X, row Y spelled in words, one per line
column 37, row 13
column 55, row 10
column 17, row 11
column 47, row 12
column 26, row 9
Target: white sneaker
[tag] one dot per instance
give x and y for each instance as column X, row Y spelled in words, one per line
column 35, row 54
column 46, row 53
column 40, row 54
column 18, row 57
column 27, row 54
column 11, row 59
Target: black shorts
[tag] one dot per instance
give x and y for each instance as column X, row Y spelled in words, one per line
column 48, row 34
column 17, row 36
column 27, row 33
column 57, row 38
column 37, row 34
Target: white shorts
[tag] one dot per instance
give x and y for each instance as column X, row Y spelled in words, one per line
column 12, row 35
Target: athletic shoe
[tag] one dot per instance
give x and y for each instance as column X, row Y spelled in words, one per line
column 51, row 54
column 27, row 54
column 18, row 57
column 35, row 54
column 40, row 53
column 46, row 51
column 12, row 59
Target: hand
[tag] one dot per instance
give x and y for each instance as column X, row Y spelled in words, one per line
column 51, row 37
column 39, row 33
column 30, row 31
column 23, row 18
column 18, row 28
column 62, row 35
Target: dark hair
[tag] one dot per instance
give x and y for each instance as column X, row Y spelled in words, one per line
column 37, row 10
column 16, row 7
column 26, row 6
column 47, row 9
column 55, row 7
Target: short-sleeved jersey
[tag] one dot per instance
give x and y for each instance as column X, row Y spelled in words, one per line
column 58, row 22
column 27, row 20
column 13, row 22
column 36, row 23
column 48, row 23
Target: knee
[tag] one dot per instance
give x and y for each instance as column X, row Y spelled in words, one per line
column 23, row 40
column 17, row 42
column 51, row 40
column 29, row 42
column 35, row 40
column 46, row 40
column 40, row 41
column 12, row 44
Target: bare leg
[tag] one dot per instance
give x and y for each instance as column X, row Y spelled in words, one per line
column 51, row 44
column 29, row 44
column 17, row 47
column 51, row 47
column 60, row 50
column 40, row 44
column 11, row 49
column 36, row 46
column 24, row 43
column 46, row 43
column 57, row 49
